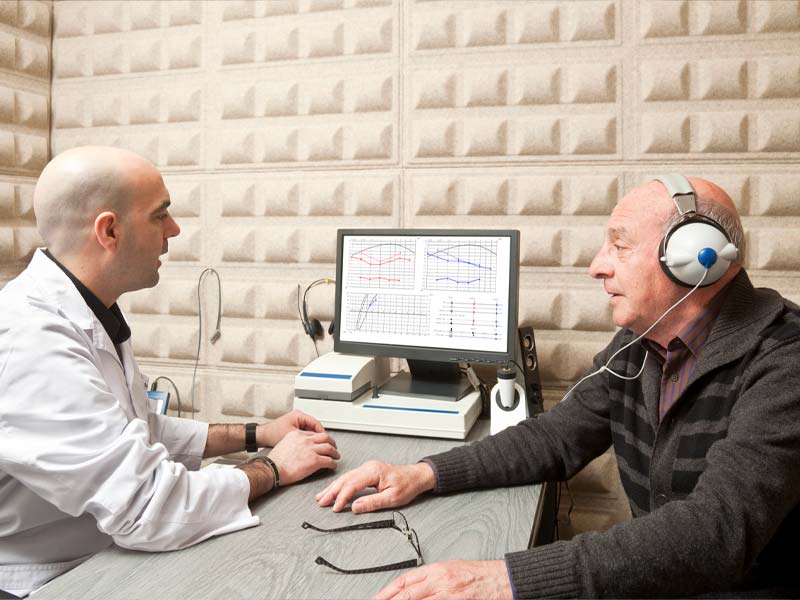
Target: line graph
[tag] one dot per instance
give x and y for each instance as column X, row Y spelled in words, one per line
column 470, row 318
column 465, row 266
column 388, row 313
column 381, row 264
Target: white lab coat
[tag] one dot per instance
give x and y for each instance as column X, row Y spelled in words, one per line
column 83, row 463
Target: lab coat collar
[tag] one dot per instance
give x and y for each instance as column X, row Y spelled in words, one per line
column 113, row 322
column 54, row 285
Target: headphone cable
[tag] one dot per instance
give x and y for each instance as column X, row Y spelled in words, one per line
column 629, row 344
column 218, row 331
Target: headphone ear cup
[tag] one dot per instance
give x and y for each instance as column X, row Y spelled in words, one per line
column 689, row 243
column 314, row 328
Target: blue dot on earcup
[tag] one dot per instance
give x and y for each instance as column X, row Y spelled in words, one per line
column 707, row 257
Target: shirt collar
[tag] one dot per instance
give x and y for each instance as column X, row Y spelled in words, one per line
column 110, row 318
column 694, row 334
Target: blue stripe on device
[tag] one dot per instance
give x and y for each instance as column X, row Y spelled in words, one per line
column 424, row 410
column 325, row 375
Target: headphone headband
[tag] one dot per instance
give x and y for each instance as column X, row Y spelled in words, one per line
column 681, row 191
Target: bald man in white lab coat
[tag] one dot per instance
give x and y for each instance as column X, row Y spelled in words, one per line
column 83, row 462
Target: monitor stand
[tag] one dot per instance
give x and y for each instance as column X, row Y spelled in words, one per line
column 431, row 380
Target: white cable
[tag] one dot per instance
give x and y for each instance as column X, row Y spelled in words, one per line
column 216, row 334
column 631, row 343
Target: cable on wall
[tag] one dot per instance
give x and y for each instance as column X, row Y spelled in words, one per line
column 217, row 332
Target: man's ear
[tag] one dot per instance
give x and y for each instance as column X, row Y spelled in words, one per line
column 106, row 230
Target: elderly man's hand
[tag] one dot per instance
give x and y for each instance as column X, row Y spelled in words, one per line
column 269, row 434
column 397, row 485
column 454, row 579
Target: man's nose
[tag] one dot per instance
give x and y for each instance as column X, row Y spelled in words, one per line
column 600, row 267
column 174, row 228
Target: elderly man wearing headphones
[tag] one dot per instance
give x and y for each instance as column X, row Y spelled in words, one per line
column 698, row 395
column 83, row 462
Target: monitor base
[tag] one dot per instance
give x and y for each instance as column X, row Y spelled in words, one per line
column 406, row 385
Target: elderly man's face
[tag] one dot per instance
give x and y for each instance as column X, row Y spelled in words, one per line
column 628, row 261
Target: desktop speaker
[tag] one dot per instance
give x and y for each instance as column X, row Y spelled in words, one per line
column 530, row 365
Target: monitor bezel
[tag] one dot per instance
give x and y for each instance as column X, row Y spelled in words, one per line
column 431, row 353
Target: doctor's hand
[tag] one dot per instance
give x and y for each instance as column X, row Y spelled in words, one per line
column 397, row 485
column 301, row 453
column 456, row 579
column 269, row 434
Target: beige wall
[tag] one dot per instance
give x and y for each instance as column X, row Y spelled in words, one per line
column 24, row 124
column 276, row 122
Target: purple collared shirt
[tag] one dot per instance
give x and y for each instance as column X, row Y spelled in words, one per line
column 681, row 354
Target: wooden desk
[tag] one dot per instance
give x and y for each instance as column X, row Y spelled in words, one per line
column 276, row 559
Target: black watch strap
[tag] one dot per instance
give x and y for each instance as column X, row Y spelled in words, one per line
column 250, row 437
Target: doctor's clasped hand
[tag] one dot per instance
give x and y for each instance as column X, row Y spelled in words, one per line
column 269, row 434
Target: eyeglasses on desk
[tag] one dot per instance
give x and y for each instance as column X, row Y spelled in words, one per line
column 398, row 522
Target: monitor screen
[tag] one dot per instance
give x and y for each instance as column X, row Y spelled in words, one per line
column 433, row 295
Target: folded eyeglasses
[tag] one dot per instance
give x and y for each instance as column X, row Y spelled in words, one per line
column 398, row 522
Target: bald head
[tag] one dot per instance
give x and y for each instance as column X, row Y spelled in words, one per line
column 79, row 184
column 706, row 191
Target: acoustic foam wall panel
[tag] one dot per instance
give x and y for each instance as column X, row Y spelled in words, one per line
column 24, row 125
column 384, row 104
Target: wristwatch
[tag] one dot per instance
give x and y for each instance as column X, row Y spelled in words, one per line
column 250, row 437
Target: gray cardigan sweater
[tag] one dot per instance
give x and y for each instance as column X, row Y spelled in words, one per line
column 714, row 488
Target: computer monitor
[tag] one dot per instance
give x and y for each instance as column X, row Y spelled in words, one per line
column 434, row 297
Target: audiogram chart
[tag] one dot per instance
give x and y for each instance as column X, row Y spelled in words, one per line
column 462, row 266
column 388, row 313
column 436, row 290
column 381, row 264
column 470, row 318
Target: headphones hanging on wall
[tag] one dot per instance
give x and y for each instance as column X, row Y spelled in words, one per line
column 312, row 327
column 696, row 243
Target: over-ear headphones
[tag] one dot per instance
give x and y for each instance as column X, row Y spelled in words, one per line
column 312, row 327
column 696, row 245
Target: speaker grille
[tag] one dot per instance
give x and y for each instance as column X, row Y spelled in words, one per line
column 530, row 363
